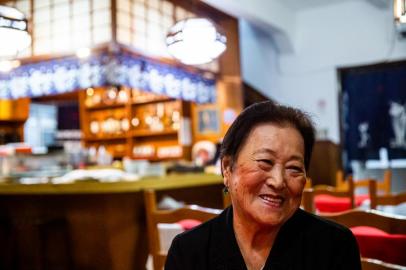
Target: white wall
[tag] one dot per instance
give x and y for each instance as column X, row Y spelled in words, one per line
column 273, row 14
column 340, row 35
column 258, row 57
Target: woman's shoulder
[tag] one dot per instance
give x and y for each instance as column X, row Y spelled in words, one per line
column 201, row 233
column 198, row 247
column 319, row 243
column 316, row 224
column 198, row 233
column 330, row 239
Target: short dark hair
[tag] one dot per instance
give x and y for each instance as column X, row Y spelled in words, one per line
column 267, row 112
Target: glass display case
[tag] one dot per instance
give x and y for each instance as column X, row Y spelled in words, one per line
column 27, row 168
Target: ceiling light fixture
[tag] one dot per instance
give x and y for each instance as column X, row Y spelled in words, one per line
column 14, row 34
column 400, row 16
column 195, row 41
column 400, row 10
column 83, row 53
column 8, row 65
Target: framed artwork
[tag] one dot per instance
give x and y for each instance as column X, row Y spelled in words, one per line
column 208, row 121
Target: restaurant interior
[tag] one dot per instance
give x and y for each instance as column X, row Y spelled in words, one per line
column 112, row 114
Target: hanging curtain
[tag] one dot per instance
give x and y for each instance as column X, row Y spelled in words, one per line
column 374, row 111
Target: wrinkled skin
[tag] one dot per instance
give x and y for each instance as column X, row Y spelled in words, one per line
column 267, row 178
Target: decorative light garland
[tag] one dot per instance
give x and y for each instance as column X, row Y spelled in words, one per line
column 69, row 74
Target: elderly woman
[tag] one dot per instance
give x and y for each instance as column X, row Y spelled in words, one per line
column 264, row 158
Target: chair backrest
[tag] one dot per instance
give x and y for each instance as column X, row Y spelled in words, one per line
column 385, row 199
column 340, row 180
column 155, row 216
column 384, row 185
column 308, row 185
column 309, row 182
column 392, row 224
column 372, row 264
column 309, row 193
column 345, row 188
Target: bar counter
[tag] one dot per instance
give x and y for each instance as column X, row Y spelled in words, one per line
column 88, row 225
column 94, row 187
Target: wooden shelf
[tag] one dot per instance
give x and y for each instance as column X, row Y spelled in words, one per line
column 133, row 108
column 105, row 106
column 146, row 133
column 156, row 159
column 152, row 101
column 106, row 138
column 119, row 155
column 12, row 121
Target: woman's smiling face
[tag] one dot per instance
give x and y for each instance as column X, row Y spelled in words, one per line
column 268, row 175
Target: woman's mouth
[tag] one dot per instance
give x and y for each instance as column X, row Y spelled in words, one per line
column 272, row 200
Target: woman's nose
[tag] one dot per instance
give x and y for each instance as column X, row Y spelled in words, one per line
column 276, row 178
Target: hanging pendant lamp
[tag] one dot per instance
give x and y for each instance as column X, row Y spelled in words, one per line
column 14, row 34
column 195, row 41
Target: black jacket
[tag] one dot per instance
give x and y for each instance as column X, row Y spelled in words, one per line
column 305, row 241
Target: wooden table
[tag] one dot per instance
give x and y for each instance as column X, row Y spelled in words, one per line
column 105, row 221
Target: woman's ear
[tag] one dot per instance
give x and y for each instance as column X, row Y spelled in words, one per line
column 226, row 168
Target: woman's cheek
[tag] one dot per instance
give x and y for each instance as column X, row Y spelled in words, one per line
column 250, row 175
column 296, row 186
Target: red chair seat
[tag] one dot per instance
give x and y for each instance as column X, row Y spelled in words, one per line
column 188, row 224
column 377, row 244
column 359, row 199
column 332, row 204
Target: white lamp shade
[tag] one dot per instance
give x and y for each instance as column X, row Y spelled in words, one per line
column 13, row 32
column 195, row 41
column 13, row 42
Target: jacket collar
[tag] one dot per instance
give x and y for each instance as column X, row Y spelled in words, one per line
column 227, row 255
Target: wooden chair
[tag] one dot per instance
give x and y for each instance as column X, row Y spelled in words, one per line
column 340, row 180
column 373, row 218
column 383, row 186
column 389, row 223
column 308, row 185
column 385, row 199
column 372, row 264
column 342, row 187
column 310, row 193
column 155, row 216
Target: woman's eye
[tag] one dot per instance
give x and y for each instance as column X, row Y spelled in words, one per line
column 295, row 169
column 265, row 161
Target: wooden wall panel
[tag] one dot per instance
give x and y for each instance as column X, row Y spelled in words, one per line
column 326, row 160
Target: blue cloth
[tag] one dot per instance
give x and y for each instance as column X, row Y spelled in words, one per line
column 374, row 111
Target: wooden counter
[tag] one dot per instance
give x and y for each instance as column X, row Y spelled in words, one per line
column 88, row 225
column 158, row 183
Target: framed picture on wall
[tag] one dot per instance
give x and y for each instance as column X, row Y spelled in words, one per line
column 208, row 120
